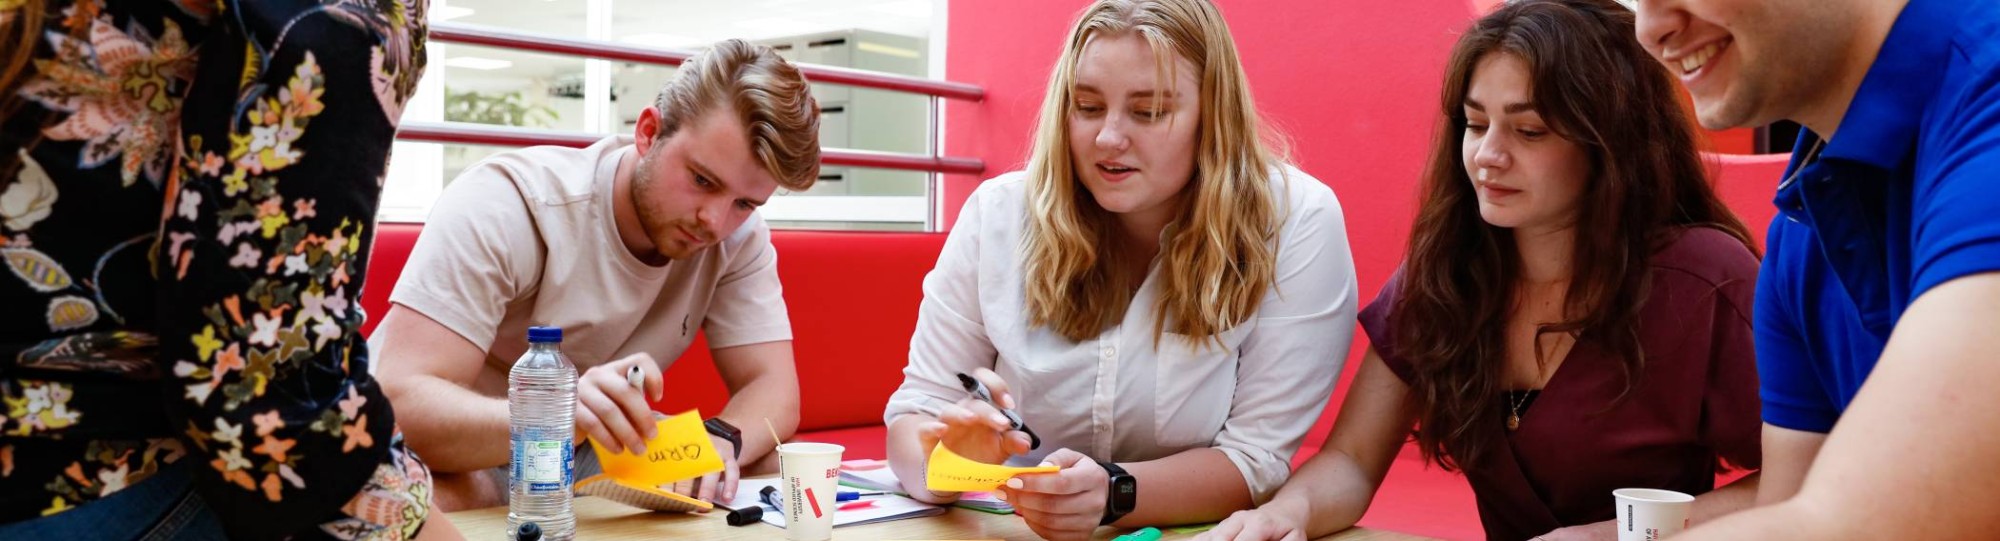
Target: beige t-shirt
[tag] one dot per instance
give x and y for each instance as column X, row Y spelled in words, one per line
column 527, row 238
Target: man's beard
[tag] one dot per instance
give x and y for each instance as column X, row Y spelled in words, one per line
column 657, row 229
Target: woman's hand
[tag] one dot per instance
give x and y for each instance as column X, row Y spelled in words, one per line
column 1274, row 521
column 1065, row 505
column 975, row 429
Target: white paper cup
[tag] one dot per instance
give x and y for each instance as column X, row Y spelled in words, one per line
column 1646, row 514
column 811, row 477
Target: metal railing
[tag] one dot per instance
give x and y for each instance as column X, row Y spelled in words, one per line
column 468, row 133
column 486, row 134
column 506, row 39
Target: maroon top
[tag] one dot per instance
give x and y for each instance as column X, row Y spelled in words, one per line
column 1696, row 400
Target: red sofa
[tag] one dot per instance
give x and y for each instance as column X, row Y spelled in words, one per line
column 853, row 298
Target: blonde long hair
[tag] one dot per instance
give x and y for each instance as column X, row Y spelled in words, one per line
column 1217, row 257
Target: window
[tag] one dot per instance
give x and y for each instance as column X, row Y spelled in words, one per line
column 468, row 83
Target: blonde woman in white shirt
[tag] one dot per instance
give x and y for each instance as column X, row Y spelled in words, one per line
column 1157, row 291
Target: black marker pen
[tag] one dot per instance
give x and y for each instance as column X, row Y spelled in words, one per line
column 978, row 390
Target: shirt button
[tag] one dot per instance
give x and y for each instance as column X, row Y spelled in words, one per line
column 1110, row 352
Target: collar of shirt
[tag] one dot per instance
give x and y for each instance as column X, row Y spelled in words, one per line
column 1879, row 130
column 1881, row 124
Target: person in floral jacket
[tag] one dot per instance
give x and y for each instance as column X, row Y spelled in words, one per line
column 187, row 197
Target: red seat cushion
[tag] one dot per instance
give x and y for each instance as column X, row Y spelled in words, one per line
column 861, row 441
column 853, row 299
column 385, row 264
column 1747, row 183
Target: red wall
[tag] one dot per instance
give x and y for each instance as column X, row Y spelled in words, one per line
column 1352, row 83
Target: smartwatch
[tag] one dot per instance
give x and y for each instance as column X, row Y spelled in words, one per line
column 1124, row 494
column 722, row 429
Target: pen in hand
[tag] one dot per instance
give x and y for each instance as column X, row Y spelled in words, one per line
column 978, row 390
column 636, row 377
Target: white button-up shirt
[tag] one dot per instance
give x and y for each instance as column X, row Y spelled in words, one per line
column 1117, row 397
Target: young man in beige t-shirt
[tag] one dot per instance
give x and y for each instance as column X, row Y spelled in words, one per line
column 629, row 245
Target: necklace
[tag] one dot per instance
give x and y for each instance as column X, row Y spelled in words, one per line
column 1812, row 155
column 1514, row 412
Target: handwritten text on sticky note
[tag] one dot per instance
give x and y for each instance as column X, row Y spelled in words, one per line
column 950, row 472
column 680, row 450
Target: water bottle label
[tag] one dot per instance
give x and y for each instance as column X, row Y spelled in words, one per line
column 544, row 466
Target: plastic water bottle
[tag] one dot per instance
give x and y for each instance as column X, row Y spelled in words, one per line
column 541, row 406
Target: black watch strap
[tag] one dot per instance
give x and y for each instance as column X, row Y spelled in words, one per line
column 722, row 429
column 1123, row 496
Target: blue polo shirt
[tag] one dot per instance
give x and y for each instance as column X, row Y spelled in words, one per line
column 1905, row 197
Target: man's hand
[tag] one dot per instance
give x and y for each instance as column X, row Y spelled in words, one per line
column 715, row 487
column 612, row 411
column 1065, row 505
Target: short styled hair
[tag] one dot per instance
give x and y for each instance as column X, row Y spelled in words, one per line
column 766, row 92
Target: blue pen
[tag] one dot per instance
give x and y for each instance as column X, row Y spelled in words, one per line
column 849, row 495
column 771, row 495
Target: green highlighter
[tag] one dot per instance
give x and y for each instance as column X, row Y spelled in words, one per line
column 1145, row 534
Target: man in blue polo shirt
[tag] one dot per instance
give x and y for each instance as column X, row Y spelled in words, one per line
column 1878, row 308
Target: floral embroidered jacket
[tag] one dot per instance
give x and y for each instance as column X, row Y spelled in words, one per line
column 187, row 196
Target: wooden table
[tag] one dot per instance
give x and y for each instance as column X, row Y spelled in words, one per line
column 600, row 519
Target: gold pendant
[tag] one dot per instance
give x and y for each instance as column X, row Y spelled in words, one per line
column 1513, row 421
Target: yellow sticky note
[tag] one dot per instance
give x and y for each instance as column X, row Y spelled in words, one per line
column 680, row 450
column 952, row 473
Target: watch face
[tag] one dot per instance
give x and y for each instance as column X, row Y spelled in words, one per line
column 1126, row 493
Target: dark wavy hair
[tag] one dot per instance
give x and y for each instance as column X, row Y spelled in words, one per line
column 1598, row 89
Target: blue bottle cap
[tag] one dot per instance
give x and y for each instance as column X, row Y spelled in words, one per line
column 537, row 335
